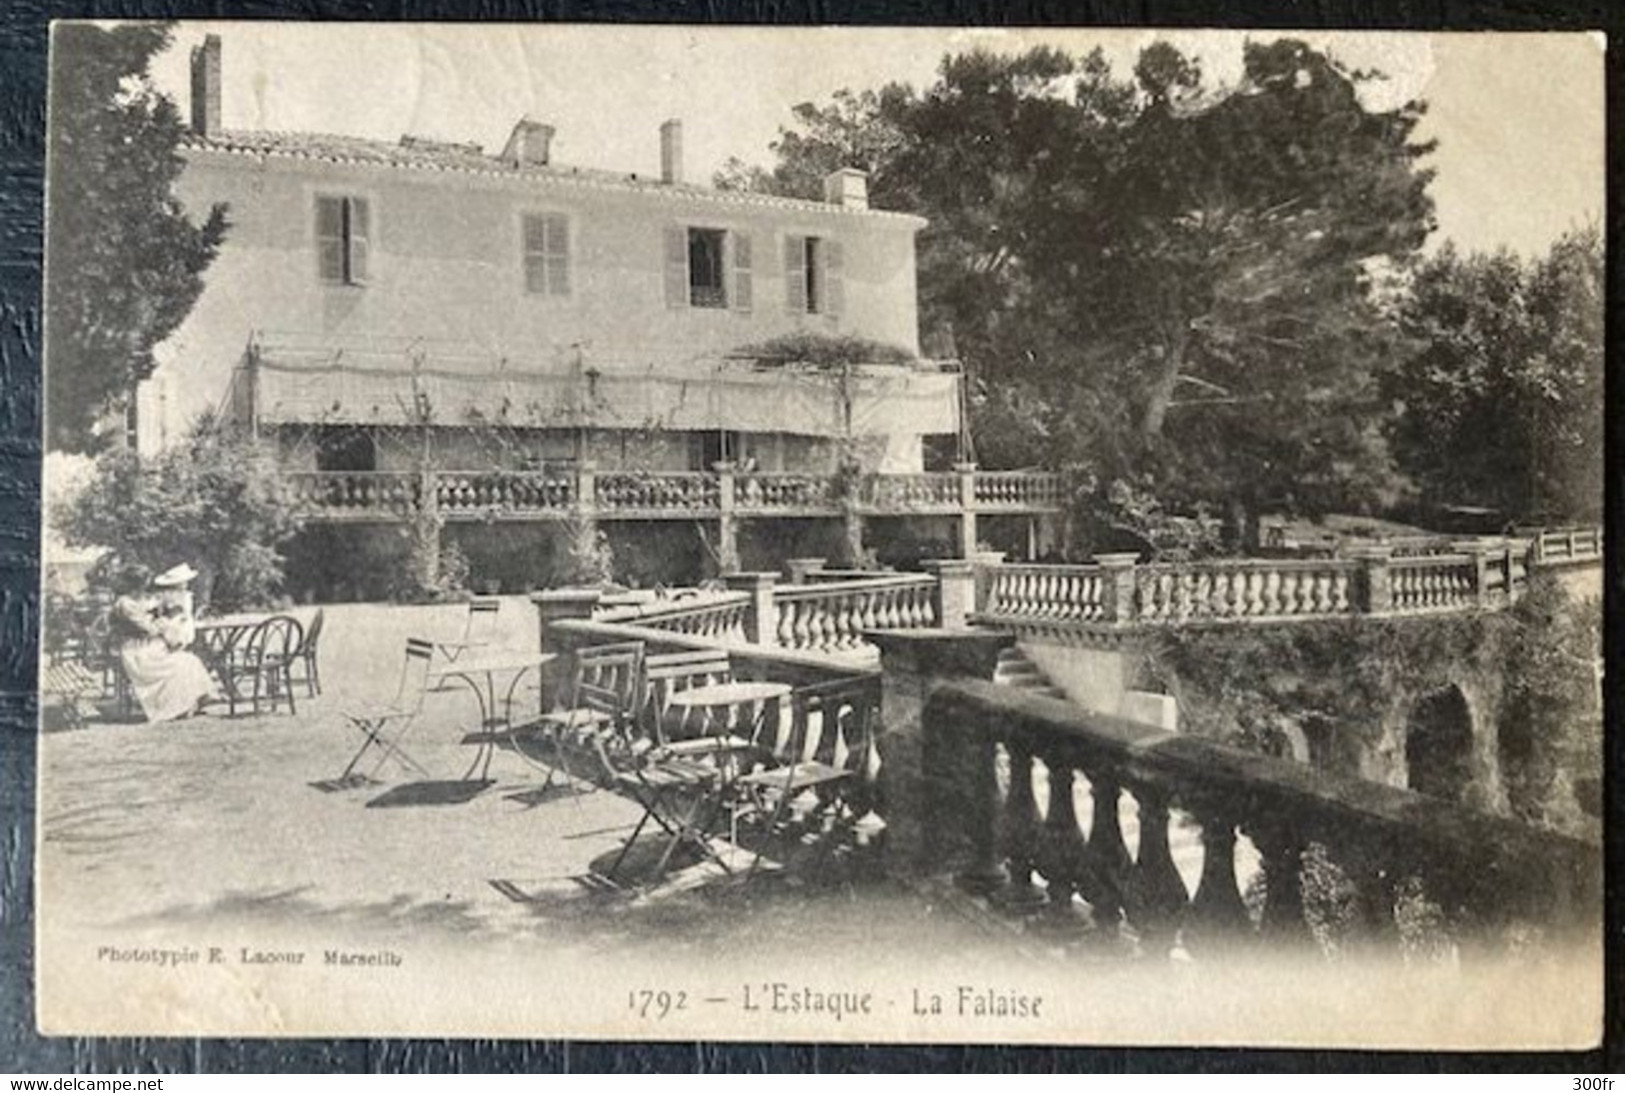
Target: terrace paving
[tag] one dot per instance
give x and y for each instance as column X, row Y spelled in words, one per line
column 219, row 823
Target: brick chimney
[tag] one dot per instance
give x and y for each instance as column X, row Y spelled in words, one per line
column 530, row 144
column 671, row 152
column 206, row 87
column 848, row 188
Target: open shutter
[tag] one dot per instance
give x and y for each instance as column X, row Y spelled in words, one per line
column 833, row 280
column 741, row 254
column 676, row 267
column 330, row 239
column 358, row 225
column 556, row 249
column 795, row 274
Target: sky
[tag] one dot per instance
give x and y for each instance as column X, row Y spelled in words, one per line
column 1518, row 117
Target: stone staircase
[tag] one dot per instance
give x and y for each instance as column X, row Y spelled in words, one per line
column 1015, row 670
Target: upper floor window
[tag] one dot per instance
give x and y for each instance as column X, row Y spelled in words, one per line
column 547, row 254
column 813, row 280
column 708, row 267
column 343, row 227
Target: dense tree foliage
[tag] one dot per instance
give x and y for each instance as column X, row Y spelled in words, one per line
column 1169, row 286
column 217, row 502
column 124, row 263
column 1502, row 404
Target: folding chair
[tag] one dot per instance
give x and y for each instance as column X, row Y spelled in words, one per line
column 479, row 630
column 821, row 781
column 384, row 725
column 605, row 694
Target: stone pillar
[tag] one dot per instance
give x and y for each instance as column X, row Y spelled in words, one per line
column 727, row 521
column 1377, row 578
column 553, row 606
column 761, row 619
column 852, row 521
column 918, row 767
column 802, row 569
column 1117, row 585
column 956, row 591
column 967, row 508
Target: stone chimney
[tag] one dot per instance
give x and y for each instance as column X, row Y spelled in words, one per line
column 848, row 188
column 530, row 144
column 671, row 152
column 206, row 87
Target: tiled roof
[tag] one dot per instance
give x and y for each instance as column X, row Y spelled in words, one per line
column 426, row 155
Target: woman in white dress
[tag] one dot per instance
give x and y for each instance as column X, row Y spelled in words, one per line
column 168, row 681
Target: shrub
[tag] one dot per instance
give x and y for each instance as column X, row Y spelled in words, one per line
column 215, row 501
column 825, row 350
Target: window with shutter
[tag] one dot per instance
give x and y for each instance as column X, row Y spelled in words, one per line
column 343, row 234
column 741, row 270
column 547, row 254
column 795, row 273
column 814, row 282
column 330, row 239
column 707, row 285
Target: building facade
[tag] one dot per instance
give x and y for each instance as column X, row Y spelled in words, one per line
column 425, row 307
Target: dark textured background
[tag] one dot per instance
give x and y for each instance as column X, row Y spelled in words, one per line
column 23, row 25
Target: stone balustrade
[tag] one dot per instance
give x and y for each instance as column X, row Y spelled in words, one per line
column 663, row 492
column 832, row 617
column 1047, row 809
column 1118, row 591
column 1017, row 490
column 784, row 492
column 937, row 491
column 1047, row 592
column 517, row 492
column 713, row 617
column 340, row 495
column 367, row 494
column 1245, row 590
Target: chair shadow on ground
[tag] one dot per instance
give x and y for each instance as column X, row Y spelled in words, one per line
column 418, row 794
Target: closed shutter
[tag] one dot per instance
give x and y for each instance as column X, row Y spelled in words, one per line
column 557, row 251
column 795, row 274
column 834, row 281
column 547, row 254
column 330, row 239
column 358, row 223
column 534, row 231
column 741, row 270
column 676, row 267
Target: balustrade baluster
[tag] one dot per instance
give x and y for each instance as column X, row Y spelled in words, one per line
column 1062, row 855
column 1289, row 593
column 1108, row 856
column 785, row 630
column 1020, row 832
column 976, row 756
column 1255, row 593
column 1218, row 915
column 1159, row 897
column 1282, row 850
column 847, row 633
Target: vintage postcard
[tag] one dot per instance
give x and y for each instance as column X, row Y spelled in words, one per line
column 1021, row 536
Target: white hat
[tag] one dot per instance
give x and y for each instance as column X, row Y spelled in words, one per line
column 174, row 578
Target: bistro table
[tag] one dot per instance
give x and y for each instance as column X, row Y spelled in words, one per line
column 480, row 674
